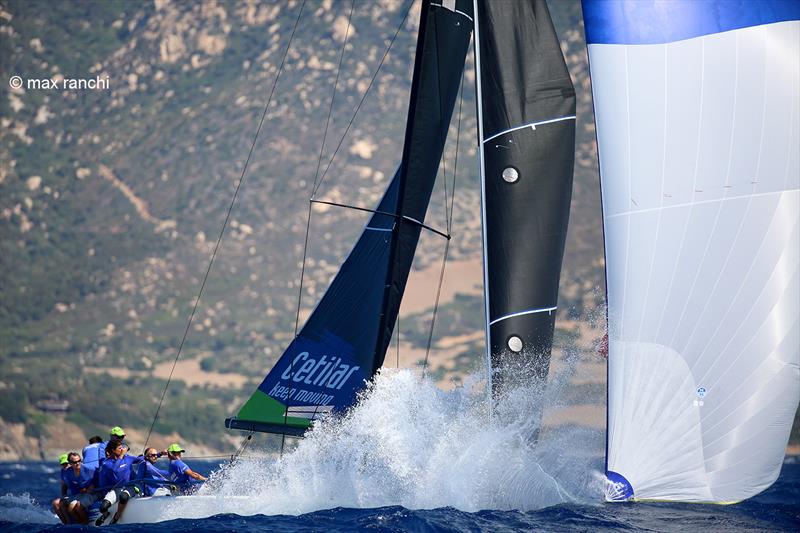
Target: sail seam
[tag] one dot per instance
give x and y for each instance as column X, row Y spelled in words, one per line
column 528, row 312
column 711, row 201
column 531, row 125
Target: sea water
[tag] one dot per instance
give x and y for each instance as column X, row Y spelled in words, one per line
column 411, row 456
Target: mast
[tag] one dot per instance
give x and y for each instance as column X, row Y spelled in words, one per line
column 526, row 114
column 481, row 167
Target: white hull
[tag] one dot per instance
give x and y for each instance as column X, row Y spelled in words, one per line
column 162, row 508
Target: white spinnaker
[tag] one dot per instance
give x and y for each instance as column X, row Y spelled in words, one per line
column 700, row 175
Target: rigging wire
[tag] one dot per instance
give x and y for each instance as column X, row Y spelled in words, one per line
column 319, row 178
column 316, row 175
column 398, row 340
column 224, row 225
column 310, row 208
column 242, row 447
column 333, row 97
column 363, row 98
column 449, row 222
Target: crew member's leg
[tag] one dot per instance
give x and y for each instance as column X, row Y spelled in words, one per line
column 78, row 508
column 125, row 494
column 59, row 507
column 108, row 500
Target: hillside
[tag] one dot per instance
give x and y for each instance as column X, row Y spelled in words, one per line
column 111, row 202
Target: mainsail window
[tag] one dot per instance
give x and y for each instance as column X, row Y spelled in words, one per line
column 515, row 344
column 510, row 174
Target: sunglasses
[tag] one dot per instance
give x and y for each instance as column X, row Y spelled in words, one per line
column 151, row 455
column 75, row 462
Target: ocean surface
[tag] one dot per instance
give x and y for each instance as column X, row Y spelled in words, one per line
column 26, row 487
column 413, row 457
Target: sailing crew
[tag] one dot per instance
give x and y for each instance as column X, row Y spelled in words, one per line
column 93, row 453
column 154, row 478
column 115, row 477
column 79, row 483
column 179, row 472
column 58, row 505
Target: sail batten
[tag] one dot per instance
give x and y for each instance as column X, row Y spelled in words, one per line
column 529, row 125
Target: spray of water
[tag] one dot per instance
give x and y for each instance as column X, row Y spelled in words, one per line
column 21, row 508
column 409, row 443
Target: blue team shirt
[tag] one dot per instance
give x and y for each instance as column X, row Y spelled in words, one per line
column 177, row 472
column 116, row 472
column 149, row 472
column 64, row 471
column 76, row 483
column 93, row 455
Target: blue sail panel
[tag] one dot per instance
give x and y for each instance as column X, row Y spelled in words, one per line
column 638, row 22
column 332, row 356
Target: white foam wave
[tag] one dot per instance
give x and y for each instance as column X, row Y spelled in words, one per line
column 21, row 508
column 409, row 443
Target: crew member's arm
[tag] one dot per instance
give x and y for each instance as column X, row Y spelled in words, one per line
column 63, row 489
column 191, row 473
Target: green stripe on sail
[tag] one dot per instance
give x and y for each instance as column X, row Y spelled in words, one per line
column 264, row 408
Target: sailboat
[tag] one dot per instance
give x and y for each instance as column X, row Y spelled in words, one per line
column 698, row 131
column 526, row 136
column 686, row 256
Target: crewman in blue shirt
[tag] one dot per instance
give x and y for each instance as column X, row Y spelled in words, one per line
column 59, row 507
column 115, row 476
column 155, row 480
column 93, row 453
column 179, row 472
column 79, row 489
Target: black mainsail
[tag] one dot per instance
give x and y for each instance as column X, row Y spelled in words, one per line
column 526, row 115
column 344, row 341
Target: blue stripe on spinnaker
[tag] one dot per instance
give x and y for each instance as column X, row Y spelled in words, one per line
column 660, row 21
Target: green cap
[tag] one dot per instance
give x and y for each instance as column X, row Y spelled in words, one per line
column 116, row 431
column 62, row 459
column 175, row 448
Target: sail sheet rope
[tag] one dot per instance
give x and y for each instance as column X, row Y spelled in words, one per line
column 225, row 223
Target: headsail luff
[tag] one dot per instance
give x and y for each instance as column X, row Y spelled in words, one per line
column 698, row 130
column 343, row 342
column 527, row 138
